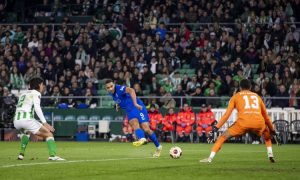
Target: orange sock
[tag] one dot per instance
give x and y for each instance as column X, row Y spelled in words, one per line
column 219, row 143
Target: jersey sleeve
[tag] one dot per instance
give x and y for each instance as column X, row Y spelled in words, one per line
column 160, row 118
column 37, row 107
column 179, row 117
column 192, row 118
column 121, row 90
column 228, row 112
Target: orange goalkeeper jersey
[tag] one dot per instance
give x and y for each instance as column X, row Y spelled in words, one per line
column 250, row 108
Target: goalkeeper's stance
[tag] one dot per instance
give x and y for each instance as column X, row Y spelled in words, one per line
column 252, row 116
column 29, row 102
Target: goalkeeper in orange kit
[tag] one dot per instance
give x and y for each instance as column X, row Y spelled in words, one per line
column 252, row 117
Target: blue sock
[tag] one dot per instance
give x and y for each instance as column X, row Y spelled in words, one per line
column 154, row 139
column 139, row 133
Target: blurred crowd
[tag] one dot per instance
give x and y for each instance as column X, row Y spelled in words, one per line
column 146, row 44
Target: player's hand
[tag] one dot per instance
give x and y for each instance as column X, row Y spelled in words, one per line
column 277, row 139
column 273, row 132
column 215, row 129
column 49, row 127
column 211, row 137
column 138, row 106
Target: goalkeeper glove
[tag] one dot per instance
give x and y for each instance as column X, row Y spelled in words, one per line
column 211, row 137
column 277, row 139
column 273, row 132
column 215, row 129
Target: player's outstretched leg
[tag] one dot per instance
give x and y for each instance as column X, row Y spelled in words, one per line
column 138, row 132
column 268, row 141
column 153, row 138
column 43, row 132
column 24, row 141
column 217, row 146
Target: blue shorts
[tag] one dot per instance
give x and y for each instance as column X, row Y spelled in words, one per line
column 141, row 115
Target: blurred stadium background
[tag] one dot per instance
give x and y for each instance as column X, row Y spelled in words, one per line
column 170, row 52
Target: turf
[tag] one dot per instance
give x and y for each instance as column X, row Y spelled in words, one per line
column 99, row 160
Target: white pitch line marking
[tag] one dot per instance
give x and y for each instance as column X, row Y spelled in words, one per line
column 75, row 161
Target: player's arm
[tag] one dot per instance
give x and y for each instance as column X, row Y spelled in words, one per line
column 160, row 118
column 39, row 112
column 198, row 119
column 178, row 119
column 133, row 97
column 212, row 119
column 192, row 119
column 164, row 120
column 228, row 112
column 173, row 121
column 266, row 116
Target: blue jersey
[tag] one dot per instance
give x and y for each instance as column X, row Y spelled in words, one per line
column 125, row 102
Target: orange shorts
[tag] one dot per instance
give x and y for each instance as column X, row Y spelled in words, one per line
column 237, row 129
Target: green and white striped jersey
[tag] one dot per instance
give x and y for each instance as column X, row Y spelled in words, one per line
column 29, row 102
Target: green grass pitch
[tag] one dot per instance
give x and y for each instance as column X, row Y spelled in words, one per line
column 100, row 160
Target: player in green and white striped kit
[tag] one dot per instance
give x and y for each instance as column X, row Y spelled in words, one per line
column 29, row 102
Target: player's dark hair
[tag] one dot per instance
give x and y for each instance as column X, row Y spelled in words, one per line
column 109, row 81
column 35, row 82
column 245, row 84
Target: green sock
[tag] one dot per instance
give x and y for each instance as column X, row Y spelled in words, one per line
column 51, row 146
column 24, row 142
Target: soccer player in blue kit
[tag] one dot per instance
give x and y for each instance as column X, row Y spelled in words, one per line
column 136, row 111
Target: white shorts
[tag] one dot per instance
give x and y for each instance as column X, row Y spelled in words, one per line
column 32, row 126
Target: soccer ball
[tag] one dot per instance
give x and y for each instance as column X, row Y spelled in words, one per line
column 175, row 152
